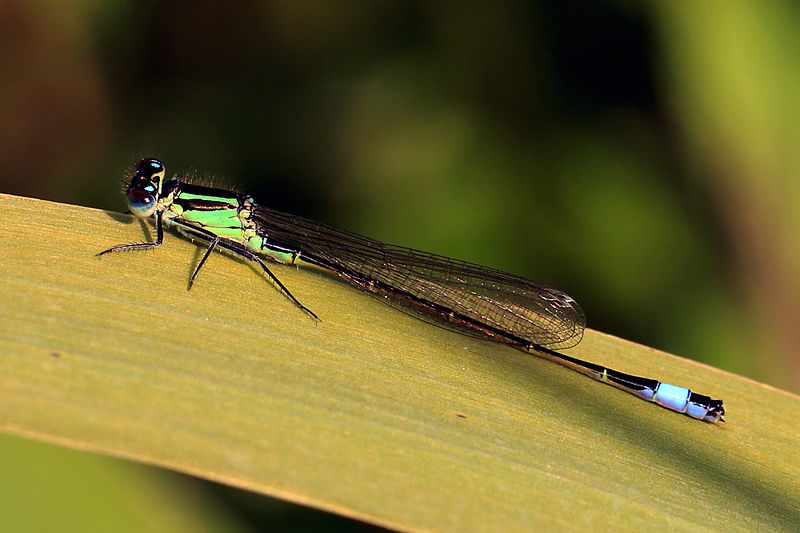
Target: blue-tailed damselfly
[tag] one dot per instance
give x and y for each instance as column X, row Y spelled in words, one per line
column 480, row 300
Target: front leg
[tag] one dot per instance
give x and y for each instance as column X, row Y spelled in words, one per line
column 141, row 245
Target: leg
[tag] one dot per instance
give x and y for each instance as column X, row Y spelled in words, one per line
column 211, row 247
column 140, row 246
column 241, row 252
column 253, row 257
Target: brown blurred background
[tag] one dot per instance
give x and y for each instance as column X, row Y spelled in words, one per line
column 644, row 158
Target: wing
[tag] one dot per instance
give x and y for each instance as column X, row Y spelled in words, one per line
column 485, row 299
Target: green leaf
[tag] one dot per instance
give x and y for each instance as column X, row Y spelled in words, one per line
column 369, row 413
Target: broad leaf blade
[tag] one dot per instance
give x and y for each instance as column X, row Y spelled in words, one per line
column 370, row 413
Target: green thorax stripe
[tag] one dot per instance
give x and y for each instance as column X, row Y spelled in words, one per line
column 208, row 196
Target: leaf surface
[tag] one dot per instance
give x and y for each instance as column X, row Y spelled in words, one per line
column 369, row 413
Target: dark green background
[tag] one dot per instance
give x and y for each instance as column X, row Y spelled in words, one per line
column 642, row 158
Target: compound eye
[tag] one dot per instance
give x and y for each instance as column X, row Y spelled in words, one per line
column 148, row 167
column 141, row 203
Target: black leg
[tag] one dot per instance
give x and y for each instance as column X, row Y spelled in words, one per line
column 241, row 252
column 253, row 257
column 141, row 245
column 211, row 247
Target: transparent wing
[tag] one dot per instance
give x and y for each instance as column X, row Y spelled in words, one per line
column 485, row 299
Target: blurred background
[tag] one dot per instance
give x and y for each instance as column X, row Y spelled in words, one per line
column 642, row 157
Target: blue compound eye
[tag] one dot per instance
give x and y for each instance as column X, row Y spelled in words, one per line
column 141, row 203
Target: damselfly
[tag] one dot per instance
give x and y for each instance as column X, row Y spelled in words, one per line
column 475, row 299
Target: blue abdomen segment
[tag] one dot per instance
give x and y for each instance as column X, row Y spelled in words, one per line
column 685, row 401
column 672, row 397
